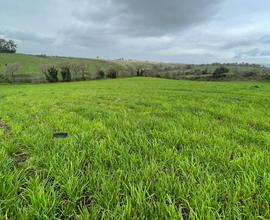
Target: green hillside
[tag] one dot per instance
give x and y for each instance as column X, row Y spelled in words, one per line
column 30, row 69
column 30, row 65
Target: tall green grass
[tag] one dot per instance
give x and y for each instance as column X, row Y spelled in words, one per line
column 138, row 148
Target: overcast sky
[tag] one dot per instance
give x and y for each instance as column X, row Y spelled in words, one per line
column 184, row 31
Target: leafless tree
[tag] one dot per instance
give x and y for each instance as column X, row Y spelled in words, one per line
column 11, row 70
column 79, row 70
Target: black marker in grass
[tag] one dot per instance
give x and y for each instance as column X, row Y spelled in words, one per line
column 60, row 135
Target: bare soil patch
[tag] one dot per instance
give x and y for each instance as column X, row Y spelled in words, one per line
column 5, row 127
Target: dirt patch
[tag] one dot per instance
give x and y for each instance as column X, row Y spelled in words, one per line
column 5, row 127
column 259, row 127
column 179, row 147
column 185, row 213
column 84, row 201
column 20, row 156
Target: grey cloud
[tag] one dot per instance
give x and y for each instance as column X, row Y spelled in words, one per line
column 256, row 52
column 265, row 53
column 26, row 36
column 174, row 30
column 247, row 42
column 114, row 24
column 146, row 18
column 236, row 44
column 88, row 36
column 252, row 53
column 265, row 39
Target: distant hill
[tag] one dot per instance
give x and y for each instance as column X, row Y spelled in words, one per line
column 30, row 65
column 27, row 68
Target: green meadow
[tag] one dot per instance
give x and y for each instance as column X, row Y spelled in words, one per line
column 137, row 148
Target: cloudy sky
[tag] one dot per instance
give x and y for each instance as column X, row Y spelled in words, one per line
column 184, row 31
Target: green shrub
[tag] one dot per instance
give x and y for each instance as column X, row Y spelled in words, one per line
column 220, row 72
column 204, row 72
column 50, row 73
column 250, row 74
column 100, row 74
column 3, row 78
column 188, row 67
column 65, row 72
column 111, row 73
column 7, row 46
column 140, row 72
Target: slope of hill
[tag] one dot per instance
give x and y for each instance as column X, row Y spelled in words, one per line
column 30, row 68
column 31, row 64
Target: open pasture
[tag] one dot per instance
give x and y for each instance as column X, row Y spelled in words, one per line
column 139, row 148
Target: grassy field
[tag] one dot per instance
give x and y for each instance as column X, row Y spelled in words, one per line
column 139, row 148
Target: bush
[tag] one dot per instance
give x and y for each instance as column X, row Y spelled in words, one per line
column 11, row 70
column 65, row 72
column 111, row 73
column 50, row 73
column 140, row 72
column 220, row 72
column 188, row 67
column 204, row 72
column 100, row 74
column 78, row 71
column 7, row 46
column 3, row 78
column 250, row 74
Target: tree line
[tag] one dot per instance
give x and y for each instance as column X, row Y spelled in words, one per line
column 7, row 46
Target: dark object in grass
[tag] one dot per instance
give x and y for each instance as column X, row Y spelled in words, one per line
column 255, row 87
column 20, row 156
column 5, row 127
column 60, row 135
